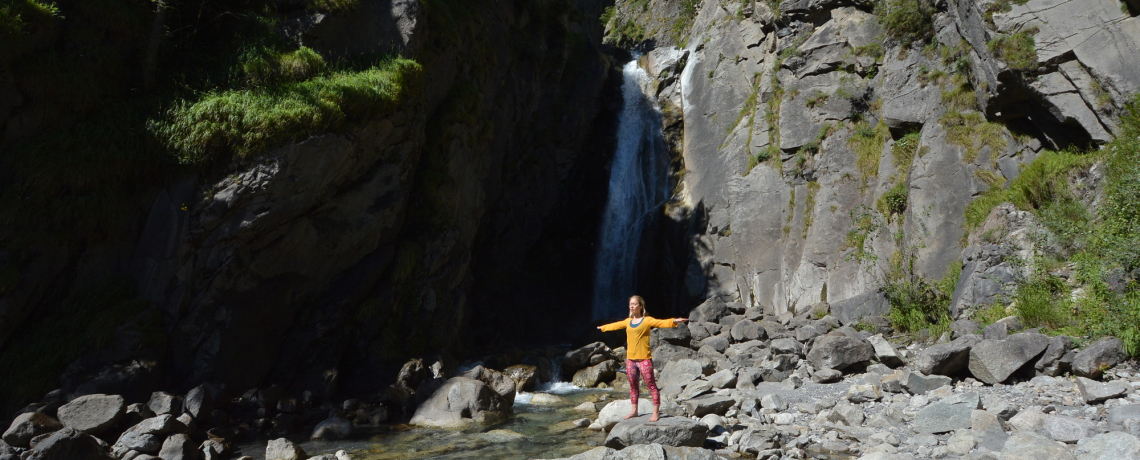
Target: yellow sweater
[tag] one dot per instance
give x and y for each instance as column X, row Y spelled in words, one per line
column 637, row 338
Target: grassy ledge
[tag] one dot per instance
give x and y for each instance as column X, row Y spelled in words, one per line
column 246, row 122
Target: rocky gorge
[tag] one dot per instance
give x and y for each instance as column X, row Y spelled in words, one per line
column 901, row 228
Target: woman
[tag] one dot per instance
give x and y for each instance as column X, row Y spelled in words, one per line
column 637, row 354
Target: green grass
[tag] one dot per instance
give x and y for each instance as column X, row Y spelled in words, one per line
column 972, row 132
column 264, row 66
column 904, row 151
column 20, row 17
column 817, row 99
column 1018, row 50
column 245, row 122
column 1042, row 182
column 1000, row 6
column 916, row 303
column 680, row 29
column 894, row 201
column 809, row 207
column 868, row 142
column 908, row 21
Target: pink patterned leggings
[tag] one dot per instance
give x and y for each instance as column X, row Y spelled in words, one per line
column 631, row 371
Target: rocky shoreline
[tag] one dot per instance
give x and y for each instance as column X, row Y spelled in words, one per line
column 734, row 381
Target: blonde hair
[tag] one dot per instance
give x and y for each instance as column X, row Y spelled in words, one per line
column 641, row 302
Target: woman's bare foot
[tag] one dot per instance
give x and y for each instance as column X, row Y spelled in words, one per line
column 656, row 416
column 631, row 415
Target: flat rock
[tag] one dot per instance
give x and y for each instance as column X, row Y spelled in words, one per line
column 884, row 351
column 918, row 384
column 1098, row 357
column 1121, row 418
column 710, row 404
column 1027, row 445
column 839, row 352
column 668, row 431
column 946, row 358
column 615, row 411
column 1067, row 429
column 1094, row 392
column 92, row 414
column 1109, row 446
column 949, row 414
column 27, row 426
column 994, row 361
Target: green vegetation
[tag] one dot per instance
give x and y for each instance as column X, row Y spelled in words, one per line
column 864, row 222
column 908, row 21
column 809, row 207
column 684, row 22
column 960, row 97
column 1000, row 6
column 626, row 33
column 817, row 99
column 971, row 131
column 266, row 66
column 1041, row 183
column 868, row 142
column 247, row 121
column 19, row 17
column 1018, row 50
column 893, row 202
column 904, row 151
column 917, row 304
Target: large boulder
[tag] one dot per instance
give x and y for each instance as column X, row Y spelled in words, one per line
column 29, row 425
column 1094, row 392
column 710, row 311
column 92, row 414
column 179, row 447
column 616, row 411
column 576, row 359
column 709, row 404
column 994, row 361
column 162, row 402
column 68, row 444
column 284, row 449
column 885, row 352
column 498, row 381
column 459, row 402
column 669, row 431
column 839, row 352
column 590, row 377
column 524, row 376
column 679, row 335
column 1067, row 429
column 852, row 310
column 946, row 358
column 331, row 429
column 147, row 435
column 952, row 413
column 744, row 331
column 1051, row 362
column 1098, row 357
column 199, row 403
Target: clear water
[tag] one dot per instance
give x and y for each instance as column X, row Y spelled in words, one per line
column 533, row 432
column 638, row 186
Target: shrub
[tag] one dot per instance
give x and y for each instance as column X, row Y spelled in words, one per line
column 909, row 21
column 894, row 201
column 1040, row 183
column 867, row 142
column 917, row 304
column 1018, row 50
column 246, row 122
column 971, row 131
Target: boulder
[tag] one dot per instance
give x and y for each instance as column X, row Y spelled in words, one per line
column 839, row 352
column 591, row 376
column 284, row 449
column 199, row 403
column 1027, row 445
column 952, row 413
column 574, row 360
column 679, row 335
column 779, row 367
column 709, row 404
column 162, row 402
column 964, row 327
column 987, row 429
column 92, row 414
column 1098, row 357
column 826, row 376
column 332, row 429
column 179, row 447
column 616, row 411
column 498, row 381
column 68, row 444
column 918, row 384
column 852, row 310
column 1028, row 419
column 1067, row 429
column 1109, row 446
column 774, row 330
column 1050, row 362
column 994, row 361
column 710, row 311
column 524, row 376
column 547, row 399
column 719, row 343
column 723, row 379
column 946, row 358
column 1094, row 392
column 1124, row 418
column 459, row 402
column 859, row 394
column 885, row 352
column 668, row 431
column 744, row 331
column 147, row 435
column 848, row 414
column 29, row 425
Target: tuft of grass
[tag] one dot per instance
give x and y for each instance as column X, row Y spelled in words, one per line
column 248, row 121
column 809, row 207
column 868, row 142
column 904, row 151
column 991, row 178
column 1041, row 182
column 682, row 24
column 817, row 99
column 960, row 97
column 999, row 6
column 909, row 21
column 971, row 131
column 20, row 17
column 1018, row 50
column 916, row 303
column 894, row 201
column 265, row 66
column 864, row 223
column 333, row 5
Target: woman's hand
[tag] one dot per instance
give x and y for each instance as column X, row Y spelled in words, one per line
column 599, row 328
column 680, row 320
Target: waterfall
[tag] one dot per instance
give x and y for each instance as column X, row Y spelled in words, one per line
column 638, row 186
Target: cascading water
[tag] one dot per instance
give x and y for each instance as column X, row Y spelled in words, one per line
column 638, row 186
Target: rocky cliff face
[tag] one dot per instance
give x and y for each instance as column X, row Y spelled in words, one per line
column 826, row 150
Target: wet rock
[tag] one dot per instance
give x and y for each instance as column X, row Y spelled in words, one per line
column 284, row 449
column 29, row 425
column 1050, row 363
column 949, row 414
column 459, row 402
column 885, row 352
column 589, row 407
column 1094, row 392
column 332, row 429
column 946, row 358
column 994, row 361
column 179, row 447
column 161, row 403
column 1067, row 429
column 839, row 352
column 669, row 431
column 1098, row 357
column 547, row 399
column 1109, row 446
column 1027, row 445
column 68, row 444
column 918, row 384
column 591, row 376
column 92, row 414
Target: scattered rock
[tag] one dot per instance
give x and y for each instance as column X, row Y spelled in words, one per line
column 946, row 358
column 1027, row 445
column 917, row 384
column 1094, row 392
column 68, row 444
column 952, row 413
column 839, row 352
column 1098, row 357
column 29, row 425
column 1109, row 446
column 92, row 414
column 284, row 449
column 994, row 361
column 885, row 352
column 1067, row 429
column 178, row 447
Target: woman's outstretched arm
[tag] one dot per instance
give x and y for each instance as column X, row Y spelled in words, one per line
column 612, row 326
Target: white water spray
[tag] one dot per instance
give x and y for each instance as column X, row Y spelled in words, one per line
column 638, row 185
